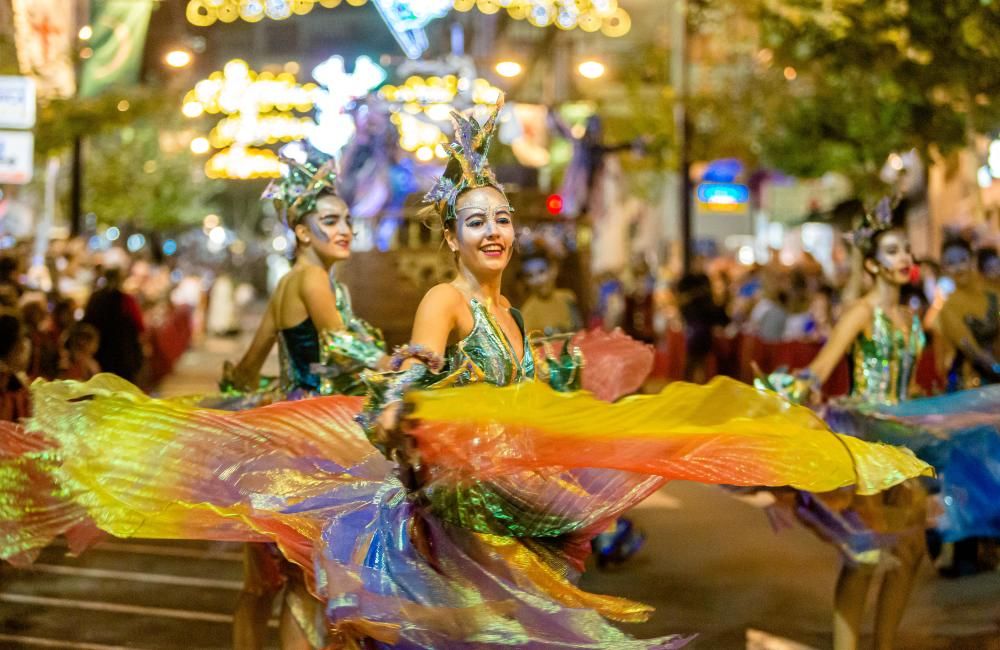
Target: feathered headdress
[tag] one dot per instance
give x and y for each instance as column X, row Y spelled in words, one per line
column 308, row 173
column 468, row 166
column 869, row 226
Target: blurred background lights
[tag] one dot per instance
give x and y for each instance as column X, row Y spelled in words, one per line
column 169, row 247
column 135, row 242
column 591, row 69
column 177, row 58
column 112, row 233
column 200, row 145
column 509, row 69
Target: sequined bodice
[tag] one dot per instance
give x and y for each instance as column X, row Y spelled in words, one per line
column 301, row 348
column 486, row 354
column 298, row 349
column 884, row 364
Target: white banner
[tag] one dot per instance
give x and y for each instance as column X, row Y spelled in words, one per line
column 45, row 35
column 17, row 161
column 17, row 102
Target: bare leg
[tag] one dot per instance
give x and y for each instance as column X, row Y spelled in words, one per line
column 895, row 590
column 261, row 584
column 299, row 613
column 849, row 604
column 250, row 620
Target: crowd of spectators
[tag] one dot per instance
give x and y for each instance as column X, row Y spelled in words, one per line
column 75, row 312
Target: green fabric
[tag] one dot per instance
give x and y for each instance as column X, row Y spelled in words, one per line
column 119, row 38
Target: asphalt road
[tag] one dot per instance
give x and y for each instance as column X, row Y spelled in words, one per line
column 711, row 566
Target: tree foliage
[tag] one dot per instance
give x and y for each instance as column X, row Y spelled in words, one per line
column 874, row 77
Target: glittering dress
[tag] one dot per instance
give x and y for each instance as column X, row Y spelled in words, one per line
column 478, row 546
column 958, row 434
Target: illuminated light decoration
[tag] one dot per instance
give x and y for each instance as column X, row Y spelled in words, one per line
column 86, row 32
column 169, row 247
column 406, row 20
column 200, row 146
column 268, row 129
column 723, row 197
column 588, row 15
column 177, row 58
column 243, row 163
column 421, row 109
column 335, row 128
column 204, row 13
column 509, row 69
column 554, row 204
column 993, row 159
column 591, row 69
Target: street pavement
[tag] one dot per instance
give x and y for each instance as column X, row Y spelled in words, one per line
column 711, row 566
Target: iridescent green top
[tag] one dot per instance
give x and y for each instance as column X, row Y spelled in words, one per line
column 486, row 354
column 883, row 365
column 336, row 367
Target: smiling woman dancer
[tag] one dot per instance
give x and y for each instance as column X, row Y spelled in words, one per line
column 474, row 533
column 323, row 347
column 884, row 340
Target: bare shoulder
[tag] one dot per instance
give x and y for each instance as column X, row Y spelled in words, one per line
column 504, row 302
column 443, row 296
column 858, row 315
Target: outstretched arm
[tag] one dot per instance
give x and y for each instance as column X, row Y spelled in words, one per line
column 841, row 339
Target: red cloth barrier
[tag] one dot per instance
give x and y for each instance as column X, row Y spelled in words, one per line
column 169, row 340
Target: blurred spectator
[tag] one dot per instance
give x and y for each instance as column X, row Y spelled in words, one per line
column 63, row 317
column 547, row 309
column 701, row 317
column 639, row 303
column 11, row 288
column 988, row 262
column 15, row 351
column 118, row 320
column 768, row 316
column 44, row 359
column 82, row 343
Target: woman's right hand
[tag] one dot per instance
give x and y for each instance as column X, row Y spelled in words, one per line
column 235, row 377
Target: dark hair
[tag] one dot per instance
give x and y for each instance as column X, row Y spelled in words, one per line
column 956, row 241
column 79, row 334
column 983, row 257
column 11, row 333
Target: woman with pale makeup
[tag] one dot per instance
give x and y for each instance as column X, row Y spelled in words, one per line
column 464, row 519
column 323, row 348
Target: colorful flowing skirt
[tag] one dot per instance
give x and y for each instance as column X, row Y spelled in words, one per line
column 484, row 552
column 959, row 435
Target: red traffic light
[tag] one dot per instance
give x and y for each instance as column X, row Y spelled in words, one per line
column 554, row 204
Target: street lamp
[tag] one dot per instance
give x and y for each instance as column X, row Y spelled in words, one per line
column 591, row 69
column 509, row 69
column 177, row 58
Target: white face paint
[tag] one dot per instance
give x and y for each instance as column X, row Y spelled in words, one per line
column 484, row 230
column 328, row 229
column 893, row 257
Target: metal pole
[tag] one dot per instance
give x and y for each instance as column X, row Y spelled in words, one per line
column 680, row 71
column 76, row 189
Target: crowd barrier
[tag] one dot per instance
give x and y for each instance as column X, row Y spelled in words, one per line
column 735, row 356
column 169, row 339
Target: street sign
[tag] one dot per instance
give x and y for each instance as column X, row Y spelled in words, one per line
column 17, row 102
column 17, row 149
column 723, row 197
